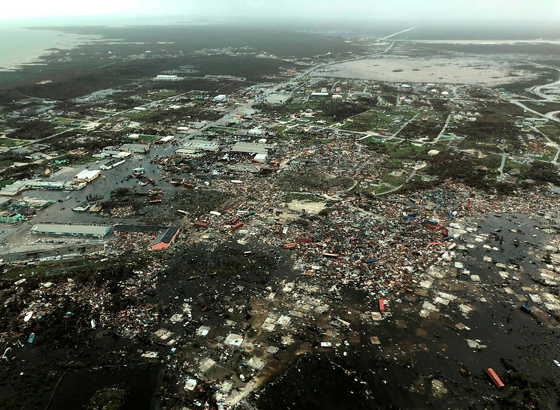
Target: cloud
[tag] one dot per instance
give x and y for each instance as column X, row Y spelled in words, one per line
column 294, row 9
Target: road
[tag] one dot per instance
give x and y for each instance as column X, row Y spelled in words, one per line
column 551, row 117
column 61, row 210
column 442, row 130
column 396, row 34
column 404, row 126
column 502, row 165
column 39, row 141
column 412, row 175
column 550, row 143
column 537, row 90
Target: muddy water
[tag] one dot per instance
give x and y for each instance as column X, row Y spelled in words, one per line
column 139, row 382
column 417, row 353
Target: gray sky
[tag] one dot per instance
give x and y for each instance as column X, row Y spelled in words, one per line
column 548, row 10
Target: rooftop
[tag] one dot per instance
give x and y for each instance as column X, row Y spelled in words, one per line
column 62, row 229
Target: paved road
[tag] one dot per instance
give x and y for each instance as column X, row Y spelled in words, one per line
column 396, row 34
column 404, row 126
column 520, row 104
column 550, row 143
column 412, row 175
column 502, row 176
column 39, row 141
column 442, row 130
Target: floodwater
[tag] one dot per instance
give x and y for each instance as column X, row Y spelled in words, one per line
column 417, row 355
column 422, row 361
column 139, row 382
column 456, row 70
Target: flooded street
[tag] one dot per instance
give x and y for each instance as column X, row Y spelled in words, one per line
column 324, row 348
column 439, row 339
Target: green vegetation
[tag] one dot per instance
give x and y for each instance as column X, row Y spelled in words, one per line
column 393, row 180
column 63, row 121
column 467, row 169
column 7, row 142
column 138, row 114
column 386, row 119
column 400, row 150
column 325, row 110
column 543, row 108
column 27, row 271
column 542, row 172
column 153, row 117
column 6, row 182
column 552, row 131
column 512, row 165
column 31, row 130
column 495, row 128
column 164, row 94
column 144, row 137
column 86, row 159
column 222, row 129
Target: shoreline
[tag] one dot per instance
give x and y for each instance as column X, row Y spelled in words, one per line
column 32, row 45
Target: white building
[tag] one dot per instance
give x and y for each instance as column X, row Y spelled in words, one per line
column 220, row 98
column 136, row 148
column 163, row 77
column 87, row 176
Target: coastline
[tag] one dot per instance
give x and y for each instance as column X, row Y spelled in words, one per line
column 26, row 46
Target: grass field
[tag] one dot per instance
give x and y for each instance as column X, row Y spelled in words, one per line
column 63, row 121
column 144, row 137
column 9, row 143
column 138, row 114
column 164, row 94
column 6, row 182
column 402, row 151
column 552, row 131
column 386, row 118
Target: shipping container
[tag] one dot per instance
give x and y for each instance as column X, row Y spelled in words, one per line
column 526, row 309
column 495, row 379
column 330, row 255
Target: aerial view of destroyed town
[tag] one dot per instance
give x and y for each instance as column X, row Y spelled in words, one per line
column 271, row 205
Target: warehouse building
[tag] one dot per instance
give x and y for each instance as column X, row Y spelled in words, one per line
column 201, row 145
column 87, row 175
column 112, row 164
column 220, row 98
column 251, row 148
column 135, row 148
column 164, row 239
column 164, row 77
column 93, row 231
column 361, row 96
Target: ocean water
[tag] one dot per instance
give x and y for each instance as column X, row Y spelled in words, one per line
column 23, row 41
column 20, row 45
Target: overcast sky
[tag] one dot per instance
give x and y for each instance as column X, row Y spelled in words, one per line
column 320, row 9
